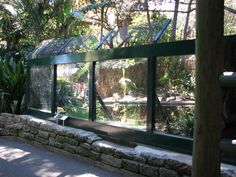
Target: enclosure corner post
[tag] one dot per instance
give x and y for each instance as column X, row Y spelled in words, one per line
column 151, row 94
column 54, row 91
column 92, row 92
column 27, row 89
column 209, row 66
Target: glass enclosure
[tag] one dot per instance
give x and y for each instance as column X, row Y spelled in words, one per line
column 175, row 93
column 40, row 87
column 121, row 87
column 72, row 90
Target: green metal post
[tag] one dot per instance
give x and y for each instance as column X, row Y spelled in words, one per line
column 92, row 92
column 54, row 91
column 151, row 94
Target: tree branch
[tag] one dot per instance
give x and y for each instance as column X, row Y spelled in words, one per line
column 230, row 9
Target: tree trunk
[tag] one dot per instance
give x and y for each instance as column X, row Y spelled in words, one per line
column 187, row 20
column 209, row 65
column 174, row 24
column 149, row 21
column 102, row 20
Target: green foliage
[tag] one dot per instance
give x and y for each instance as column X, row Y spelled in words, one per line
column 78, row 110
column 12, row 86
column 81, row 74
column 175, row 75
column 186, row 124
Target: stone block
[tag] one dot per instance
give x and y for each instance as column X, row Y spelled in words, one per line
column 105, row 147
column 52, row 134
column 60, row 139
column 125, row 153
column 156, row 160
column 82, row 136
column 2, row 124
column 26, row 128
column 52, row 141
column 43, row 134
column 82, row 151
column 92, row 138
column 164, row 172
column 41, row 140
column 112, row 161
column 28, row 136
column 181, row 168
column 3, row 119
column 69, row 148
column 47, row 126
column 16, row 119
column 95, row 156
column 34, row 130
column 21, row 133
column 4, row 132
column 34, row 122
column 148, row 170
column 58, row 145
column 130, row 165
column 85, row 146
column 13, row 132
column 71, row 141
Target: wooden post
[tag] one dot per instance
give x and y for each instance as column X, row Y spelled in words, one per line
column 209, row 66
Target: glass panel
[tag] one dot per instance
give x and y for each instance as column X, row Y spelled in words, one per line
column 121, row 89
column 175, row 91
column 72, row 90
column 40, row 87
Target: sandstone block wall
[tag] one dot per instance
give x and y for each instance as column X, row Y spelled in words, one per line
column 137, row 161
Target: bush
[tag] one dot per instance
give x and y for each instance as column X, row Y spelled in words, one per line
column 12, row 86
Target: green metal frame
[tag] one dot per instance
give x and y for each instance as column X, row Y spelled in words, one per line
column 152, row 52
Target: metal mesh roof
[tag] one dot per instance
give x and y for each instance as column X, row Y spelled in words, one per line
column 54, row 47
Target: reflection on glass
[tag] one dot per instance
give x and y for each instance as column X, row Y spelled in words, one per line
column 121, row 93
column 40, row 87
column 72, row 90
column 175, row 91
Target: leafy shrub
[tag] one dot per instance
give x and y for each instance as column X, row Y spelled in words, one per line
column 186, row 124
column 12, row 86
column 175, row 75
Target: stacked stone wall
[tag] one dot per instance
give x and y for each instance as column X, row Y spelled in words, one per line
column 134, row 161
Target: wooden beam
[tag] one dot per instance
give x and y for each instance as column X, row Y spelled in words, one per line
column 209, row 66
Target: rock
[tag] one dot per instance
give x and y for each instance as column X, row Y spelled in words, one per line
column 26, row 128
column 34, row 130
column 93, row 138
column 43, row 134
column 156, row 160
column 69, row 148
column 95, row 155
column 110, row 160
column 181, row 168
column 52, row 141
column 60, row 139
column 130, row 165
column 4, row 132
column 41, row 140
column 71, row 141
column 85, row 146
column 82, row 151
column 28, row 136
column 148, row 170
column 168, row 173
column 58, row 145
